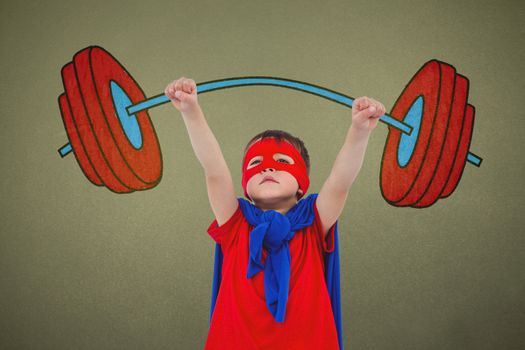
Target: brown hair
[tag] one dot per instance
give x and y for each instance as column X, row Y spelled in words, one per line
column 280, row 135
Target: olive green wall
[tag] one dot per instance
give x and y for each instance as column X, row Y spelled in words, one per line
column 84, row 268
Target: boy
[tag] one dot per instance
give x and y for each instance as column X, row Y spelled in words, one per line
column 288, row 305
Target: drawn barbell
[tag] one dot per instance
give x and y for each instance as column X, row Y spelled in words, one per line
column 110, row 133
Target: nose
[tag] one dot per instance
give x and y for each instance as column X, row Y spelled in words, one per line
column 269, row 169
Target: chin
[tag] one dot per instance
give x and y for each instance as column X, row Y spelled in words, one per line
column 271, row 196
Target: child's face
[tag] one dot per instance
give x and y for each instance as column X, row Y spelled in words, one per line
column 283, row 189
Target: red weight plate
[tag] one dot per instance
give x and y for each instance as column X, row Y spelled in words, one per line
column 86, row 132
column 137, row 168
column 76, row 144
column 461, row 156
column 450, row 146
column 402, row 186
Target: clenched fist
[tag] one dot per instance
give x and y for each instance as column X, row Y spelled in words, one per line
column 183, row 94
column 366, row 112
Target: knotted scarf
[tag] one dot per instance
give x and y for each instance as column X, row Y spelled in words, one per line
column 273, row 230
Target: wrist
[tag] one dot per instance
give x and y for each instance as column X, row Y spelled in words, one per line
column 360, row 132
column 191, row 111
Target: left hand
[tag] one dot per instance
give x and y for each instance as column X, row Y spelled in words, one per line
column 366, row 112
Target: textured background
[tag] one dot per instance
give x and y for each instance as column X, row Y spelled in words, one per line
column 84, row 268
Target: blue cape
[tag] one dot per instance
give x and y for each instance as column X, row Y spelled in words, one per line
column 304, row 209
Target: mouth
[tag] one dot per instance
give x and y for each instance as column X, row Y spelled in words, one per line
column 268, row 179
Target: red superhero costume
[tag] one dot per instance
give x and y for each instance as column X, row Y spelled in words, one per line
column 273, row 271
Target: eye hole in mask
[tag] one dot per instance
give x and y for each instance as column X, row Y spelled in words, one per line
column 277, row 157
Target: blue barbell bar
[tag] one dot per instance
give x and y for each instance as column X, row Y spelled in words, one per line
column 272, row 81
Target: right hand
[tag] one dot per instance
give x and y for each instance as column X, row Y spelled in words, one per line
column 183, row 94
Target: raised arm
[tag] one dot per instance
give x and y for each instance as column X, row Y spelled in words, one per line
column 332, row 196
column 219, row 182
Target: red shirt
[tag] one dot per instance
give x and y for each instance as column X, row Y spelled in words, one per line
column 241, row 320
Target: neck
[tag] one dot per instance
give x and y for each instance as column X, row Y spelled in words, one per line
column 281, row 206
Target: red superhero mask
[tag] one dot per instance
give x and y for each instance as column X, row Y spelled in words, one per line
column 267, row 148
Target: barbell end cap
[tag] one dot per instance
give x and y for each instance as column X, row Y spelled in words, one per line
column 474, row 159
column 65, row 150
